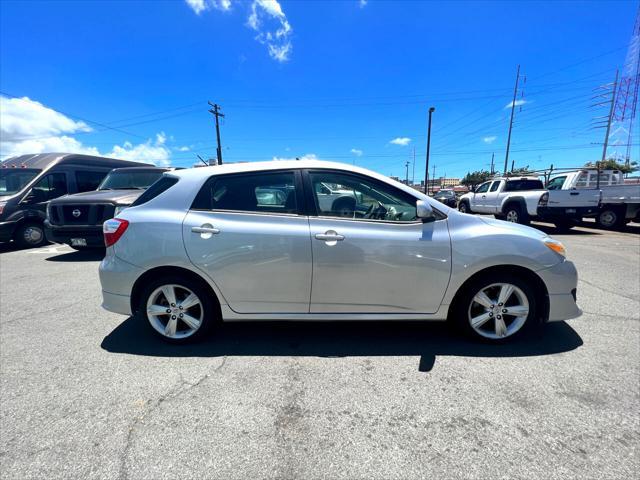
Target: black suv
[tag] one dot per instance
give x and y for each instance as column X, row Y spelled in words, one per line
column 77, row 219
column 28, row 182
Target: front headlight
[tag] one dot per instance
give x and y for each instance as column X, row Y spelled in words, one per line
column 556, row 246
column 119, row 208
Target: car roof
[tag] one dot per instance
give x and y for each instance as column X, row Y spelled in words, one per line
column 46, row 160
column 150, row 168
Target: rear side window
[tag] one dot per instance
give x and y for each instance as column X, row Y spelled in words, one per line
column 165, row 183
column 494, row 186
column 262, row 193
column 521, row 185
column 87, row 181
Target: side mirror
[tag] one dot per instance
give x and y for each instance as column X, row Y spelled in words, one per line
column 424, row 210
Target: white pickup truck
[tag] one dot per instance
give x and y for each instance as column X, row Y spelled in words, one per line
column 515, row 199
column 573, row 194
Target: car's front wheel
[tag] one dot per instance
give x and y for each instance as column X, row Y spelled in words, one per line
column 498, row 308
column 463, row 207
column 179, row 310
column 30, row 235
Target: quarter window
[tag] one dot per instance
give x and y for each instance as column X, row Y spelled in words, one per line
column 263, row 193
column 351, row 196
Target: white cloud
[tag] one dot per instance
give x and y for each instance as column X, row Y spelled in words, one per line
column 362, row 3
column 402, row 141
column 200, row 6
column 183, row 149
column 517, row 103
column 490, row 139
column 27, row 126
column 269, row 20
column 307, row 156
column 357, row 152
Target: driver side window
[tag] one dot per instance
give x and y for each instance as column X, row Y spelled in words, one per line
column 360, row 198
column 483, row 188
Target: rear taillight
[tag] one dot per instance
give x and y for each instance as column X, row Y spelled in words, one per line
column 113, row 230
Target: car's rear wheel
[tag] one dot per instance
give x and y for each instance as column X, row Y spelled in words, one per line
column 30, row 235
column 610, row 218
column 179, row 310
column 497, row 309
column 514, row 214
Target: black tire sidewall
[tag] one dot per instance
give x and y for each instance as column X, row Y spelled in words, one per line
column 210, row 317
column 616, row 224
column 465, row 206
column 460, row 318
column 19, row 235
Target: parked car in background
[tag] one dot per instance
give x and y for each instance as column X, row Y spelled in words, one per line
column 28, row 182
column 574, row 194
column 77, row 219
column 205, row 245
column 514, row 199
column 448, row 197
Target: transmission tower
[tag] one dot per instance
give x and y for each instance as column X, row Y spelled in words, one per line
column 621, row 135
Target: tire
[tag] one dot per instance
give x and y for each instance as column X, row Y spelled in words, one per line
column 30, row 235
column 513, row 213
column 464, row 207
column 610, row 218
column 523, row 297
column 203, row 314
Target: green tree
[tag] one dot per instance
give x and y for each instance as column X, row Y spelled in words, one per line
column 471, row 179
column 612, row 164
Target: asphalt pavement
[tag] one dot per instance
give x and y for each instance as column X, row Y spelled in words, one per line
column 89, row 394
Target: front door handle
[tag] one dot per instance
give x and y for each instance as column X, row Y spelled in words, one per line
column 484, row 196
column 206, row 230
column 329, row 236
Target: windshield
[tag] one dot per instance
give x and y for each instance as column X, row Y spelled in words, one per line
column 444, row 193
column 130, row 180
column 15, row 179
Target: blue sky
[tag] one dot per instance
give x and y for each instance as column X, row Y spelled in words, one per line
column 336, row 80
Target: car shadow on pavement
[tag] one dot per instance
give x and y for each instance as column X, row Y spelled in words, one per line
column 78, row 256
column 338, row 339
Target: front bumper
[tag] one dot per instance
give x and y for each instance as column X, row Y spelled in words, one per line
column 562, row 282
column 64, row 233
column 6, row 231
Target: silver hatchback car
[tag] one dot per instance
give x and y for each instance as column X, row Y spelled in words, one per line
column 310, row 240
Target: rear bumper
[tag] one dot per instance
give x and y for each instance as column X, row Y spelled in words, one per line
column 562, row 282
column 116, row 303
column 64, row 233
column 551, row 213
column 6, row 231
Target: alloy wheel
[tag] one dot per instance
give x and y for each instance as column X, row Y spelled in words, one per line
column 174, row 311
column 512, row 216
column 498, row 311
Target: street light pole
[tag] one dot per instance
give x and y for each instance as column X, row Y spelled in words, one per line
column 426, row 170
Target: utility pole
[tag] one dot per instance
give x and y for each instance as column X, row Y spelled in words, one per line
column 433, row 178
column 426, row 170
column 493, row 171
column 215, row 111
column 513, row 162
column 513, row 108
column 413, row 175
column 606, row 135
column 406, row 176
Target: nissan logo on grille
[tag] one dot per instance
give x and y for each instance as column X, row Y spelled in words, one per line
column 76, row 213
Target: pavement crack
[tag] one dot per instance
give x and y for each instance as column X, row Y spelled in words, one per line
column 176, row 391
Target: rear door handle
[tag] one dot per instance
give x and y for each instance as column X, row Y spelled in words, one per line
column 329, row 236
column 574, row 193
column 205, row 229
